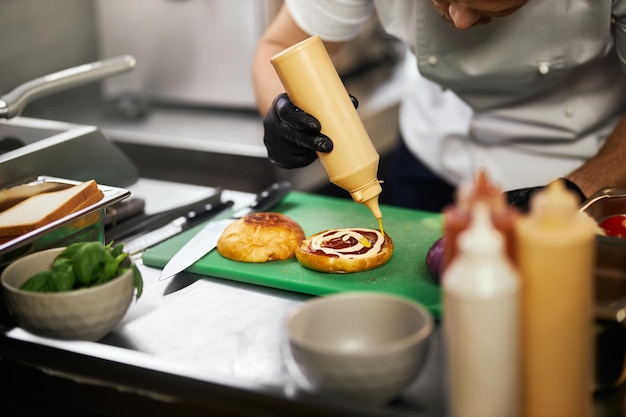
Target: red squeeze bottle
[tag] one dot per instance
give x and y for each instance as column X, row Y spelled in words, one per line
column 457, row 217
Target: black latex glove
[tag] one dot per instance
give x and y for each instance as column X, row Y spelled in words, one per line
column 292, row 136
column 521, row 197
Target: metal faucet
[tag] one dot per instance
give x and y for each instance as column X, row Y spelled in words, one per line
column 13, row 103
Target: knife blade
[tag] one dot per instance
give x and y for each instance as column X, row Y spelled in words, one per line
column 180, row 224
column 206, row 239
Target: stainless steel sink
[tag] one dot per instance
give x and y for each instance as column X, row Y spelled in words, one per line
column 32, row 147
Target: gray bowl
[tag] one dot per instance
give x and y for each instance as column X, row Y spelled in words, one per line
column 83, row 314
column 359, row 347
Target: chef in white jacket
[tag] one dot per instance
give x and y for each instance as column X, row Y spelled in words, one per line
column 529, row 90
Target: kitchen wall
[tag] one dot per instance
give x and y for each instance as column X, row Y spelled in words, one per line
column 199, row 144
column 39, row 37
column 193, row 52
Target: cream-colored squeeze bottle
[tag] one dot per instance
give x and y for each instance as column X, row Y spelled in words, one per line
column 481, row 323
column 313, row 84
column 555, row 256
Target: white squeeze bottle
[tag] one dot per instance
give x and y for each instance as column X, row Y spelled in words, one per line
column 481, row 323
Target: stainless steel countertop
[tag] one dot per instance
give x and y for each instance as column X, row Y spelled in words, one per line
column 213, row 331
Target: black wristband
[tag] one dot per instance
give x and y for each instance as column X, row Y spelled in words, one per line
column 575, row 189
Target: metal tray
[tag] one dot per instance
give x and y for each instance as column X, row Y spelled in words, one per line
column 611, row 250
column 610, row 268
column 83, row 225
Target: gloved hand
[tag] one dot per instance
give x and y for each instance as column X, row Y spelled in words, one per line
column 521, row 197
column 292, row 137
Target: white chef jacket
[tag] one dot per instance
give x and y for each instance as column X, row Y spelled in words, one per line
column 528, row 97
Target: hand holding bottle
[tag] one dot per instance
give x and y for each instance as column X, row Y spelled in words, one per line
column 292, row 136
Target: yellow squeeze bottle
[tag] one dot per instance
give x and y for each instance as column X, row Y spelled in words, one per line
column 556, row 257
column 313, row 84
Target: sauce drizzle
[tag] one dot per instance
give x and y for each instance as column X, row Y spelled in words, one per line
column 347, row 243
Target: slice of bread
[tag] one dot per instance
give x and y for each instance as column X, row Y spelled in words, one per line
column 44, row 208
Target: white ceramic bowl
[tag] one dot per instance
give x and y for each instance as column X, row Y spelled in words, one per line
column 361, row 347
column 85, row 314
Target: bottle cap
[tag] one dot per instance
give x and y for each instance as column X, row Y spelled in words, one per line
column 481, row 237
column 368, row 195
column 553, row 204
column 481, row 188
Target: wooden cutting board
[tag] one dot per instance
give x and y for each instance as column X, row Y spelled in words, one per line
column 413, row 232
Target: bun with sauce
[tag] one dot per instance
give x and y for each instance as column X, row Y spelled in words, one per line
column 345, row 250
column 260, row 237
column 44, row 208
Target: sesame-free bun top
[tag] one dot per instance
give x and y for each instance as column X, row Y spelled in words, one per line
column 345, row 250
column 260, row 237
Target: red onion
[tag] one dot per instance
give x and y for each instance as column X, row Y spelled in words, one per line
column 434, row 258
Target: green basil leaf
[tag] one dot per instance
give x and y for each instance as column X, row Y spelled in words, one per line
column 98, row 277
column 63, row 278
column 109, row 268
column 70, row 251
column 117, row 250
column 38, row 282
column 137, row 281
column 62, row 262
column 87, row 261
column 85, row 264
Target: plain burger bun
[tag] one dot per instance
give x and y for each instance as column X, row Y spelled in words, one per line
column 260, row 237
column 345, row 250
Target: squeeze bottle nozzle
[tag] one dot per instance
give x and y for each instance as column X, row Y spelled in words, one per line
column 556, row 205
column 481, row 237
column 313, row 84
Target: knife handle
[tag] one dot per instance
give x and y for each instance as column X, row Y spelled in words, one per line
column 194, row 219
column 146, row 222
column 122, row 211
column 266, row 199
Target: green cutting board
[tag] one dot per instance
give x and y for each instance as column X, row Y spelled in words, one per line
column 413, row 232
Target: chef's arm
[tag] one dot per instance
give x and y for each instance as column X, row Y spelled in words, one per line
column 605, row 169
column 608, row 167
column 280, row 34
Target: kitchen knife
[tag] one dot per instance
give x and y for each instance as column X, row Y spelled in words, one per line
column 174, row 227
column 142, row 223
column 206, row 239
